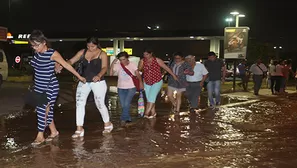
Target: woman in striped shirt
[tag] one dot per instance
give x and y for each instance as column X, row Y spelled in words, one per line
column 45, row 81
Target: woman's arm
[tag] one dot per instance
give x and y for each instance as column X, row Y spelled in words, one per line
column 58, row 58
column 140, row 65
column 140, row 79
column 111, row 72
column 73, row 60
column 103, row 67
column 164, row 66
column 76, row 57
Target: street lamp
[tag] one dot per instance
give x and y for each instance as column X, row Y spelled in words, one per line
column 277, row 51
column 229, row 20
column 237, row 16
column 275, row 47
column 156, row 27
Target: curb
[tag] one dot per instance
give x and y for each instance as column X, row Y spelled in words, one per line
column 19, row 78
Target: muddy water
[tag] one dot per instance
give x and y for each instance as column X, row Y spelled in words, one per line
column 244, row 134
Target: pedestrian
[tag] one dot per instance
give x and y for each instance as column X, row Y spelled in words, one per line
column 126, row 86
column 181, row 69
column 195, row 82
column 151, row 66
column 94, row 67
column 259, row 71
column 45, row 81
column 216, row 74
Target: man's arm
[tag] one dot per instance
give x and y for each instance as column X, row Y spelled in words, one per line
column 224, row 71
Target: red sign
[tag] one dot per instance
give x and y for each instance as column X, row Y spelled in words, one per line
column 3, row 34
column 17, row 59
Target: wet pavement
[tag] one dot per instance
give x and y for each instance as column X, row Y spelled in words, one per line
column 246, row 131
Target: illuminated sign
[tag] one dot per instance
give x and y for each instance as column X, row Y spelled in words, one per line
column 9, row 36
column 109, row 51
column 3, row 34
column 19, row 42
column 23, row 36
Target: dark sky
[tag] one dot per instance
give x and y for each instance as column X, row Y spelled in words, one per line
column 271, row 20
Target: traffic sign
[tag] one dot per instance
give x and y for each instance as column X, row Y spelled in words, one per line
column 17, row 59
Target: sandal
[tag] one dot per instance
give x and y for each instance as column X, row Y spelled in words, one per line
column 36, row 142
column 50, row 138
column 108, row 129
column 198, row 110
column 78, row 134
column 153, row 116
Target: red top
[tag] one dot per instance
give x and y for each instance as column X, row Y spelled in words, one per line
column 151, row 71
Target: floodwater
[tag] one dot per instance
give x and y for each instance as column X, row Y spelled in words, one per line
column 242, row 133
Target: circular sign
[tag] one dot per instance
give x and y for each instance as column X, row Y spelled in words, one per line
column 17, row 59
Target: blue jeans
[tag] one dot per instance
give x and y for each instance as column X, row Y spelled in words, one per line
column 126, row 96
column 214, row 87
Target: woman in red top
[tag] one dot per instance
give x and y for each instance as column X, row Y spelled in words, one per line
column 151, row 68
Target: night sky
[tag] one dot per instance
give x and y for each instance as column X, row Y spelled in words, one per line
column 273, row 21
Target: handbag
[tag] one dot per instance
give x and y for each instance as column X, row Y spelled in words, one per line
column 134, row 78
column 79, row 66
column 34, row 98
column 140, row 108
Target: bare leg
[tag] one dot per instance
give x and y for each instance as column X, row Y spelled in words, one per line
column 107, row 124
column 148, row 108
column 178, row 100
column 171, row 98
column 40, row 137
column 153, row 110
column 79, row 128
column 53, row 129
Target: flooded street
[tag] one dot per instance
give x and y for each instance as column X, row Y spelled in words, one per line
column 244, row 132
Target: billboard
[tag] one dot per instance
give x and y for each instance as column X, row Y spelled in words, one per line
column 3, row 34
column 235, row 42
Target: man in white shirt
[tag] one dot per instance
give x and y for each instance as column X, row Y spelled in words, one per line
column 259, row 72
column 195, row 82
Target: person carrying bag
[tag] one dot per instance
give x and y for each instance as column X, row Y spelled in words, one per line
column 134, row 78
column 129, row 81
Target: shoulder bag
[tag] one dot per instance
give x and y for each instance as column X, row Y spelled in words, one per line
column 34, row 98
column 79, row 66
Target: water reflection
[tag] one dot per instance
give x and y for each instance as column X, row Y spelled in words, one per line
column 79, row 151
column 254, row 133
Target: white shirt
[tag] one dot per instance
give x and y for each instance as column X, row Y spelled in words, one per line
column 199, row 72
column 272, row 70
column 256, row 70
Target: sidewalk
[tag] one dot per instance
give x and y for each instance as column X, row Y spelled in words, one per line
column 11, row 97
column 263, row 93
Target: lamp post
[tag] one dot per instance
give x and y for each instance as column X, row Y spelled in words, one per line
column 237, row 16
column 229, row 20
